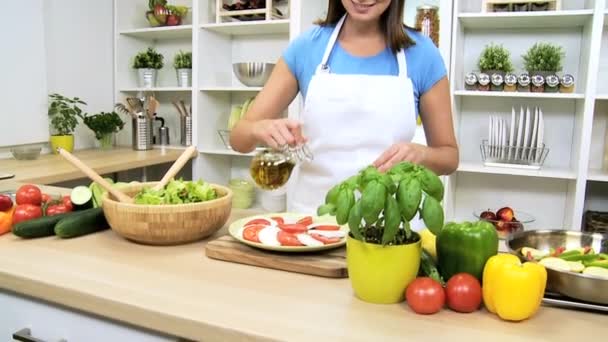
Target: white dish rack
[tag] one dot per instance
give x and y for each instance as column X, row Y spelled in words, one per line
column 519, row 145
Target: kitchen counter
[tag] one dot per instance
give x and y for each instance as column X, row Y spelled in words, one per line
column 52, row 168
column 179, row 291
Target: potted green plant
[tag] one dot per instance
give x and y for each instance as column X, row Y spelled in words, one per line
column 183, row 67
column 104, row 125
column 64, row 113
column 383, row 253
column 147, row 64
column 544, row 59
column 495, row 59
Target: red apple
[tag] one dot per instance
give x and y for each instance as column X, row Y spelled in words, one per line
column 516, row 225
column 173, row 20
column 502, row 226
column 488, row 215
column 505, row 214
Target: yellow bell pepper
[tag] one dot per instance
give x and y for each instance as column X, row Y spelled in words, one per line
column 511, row 289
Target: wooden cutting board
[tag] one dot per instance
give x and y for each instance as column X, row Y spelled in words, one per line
column 331, row 263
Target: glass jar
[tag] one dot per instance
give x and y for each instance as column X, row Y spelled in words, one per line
column 243, row 193
column 510, row 83
column 271, row 169
column 523, row 83
column 484, row 82
column 497, row 82
column 470, row 81
column 427, row 22
column 538, row 84
column 566, row 84
column 551, row 84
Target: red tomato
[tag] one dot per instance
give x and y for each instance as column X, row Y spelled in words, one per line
column 425, row 296
column 67, row 202
column 278, row 219
column 24, row 212
column 6, row 203
column 325, row 227
column 287, row 239
column 56, row 209
column 29, row 194
column 294, row 228
column 250, row 232
column 324, row 239
column 463, row 293
column 307, row 221
column 258, row 221
column 46, row 198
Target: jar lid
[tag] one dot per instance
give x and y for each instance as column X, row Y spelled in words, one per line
column 497, row 79
column 484, row 79
column 271, row 156
column 470, row 79
column 552, row 80
column 523, row 79
column 510, row 79
column 538, row 80
column 427, row 7
column 567, row 80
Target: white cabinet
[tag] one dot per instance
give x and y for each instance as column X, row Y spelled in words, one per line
column 51, row 323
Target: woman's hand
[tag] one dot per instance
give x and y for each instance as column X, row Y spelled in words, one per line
column 278, row 132
column 399, row 152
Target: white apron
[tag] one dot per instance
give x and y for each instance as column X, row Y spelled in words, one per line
column 349, row 121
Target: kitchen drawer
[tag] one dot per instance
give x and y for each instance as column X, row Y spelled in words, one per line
column 51, row 323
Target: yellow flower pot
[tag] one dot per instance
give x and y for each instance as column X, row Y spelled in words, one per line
column 380, row 274
column 66, row 142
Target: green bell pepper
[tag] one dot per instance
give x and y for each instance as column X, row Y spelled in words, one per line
column 465, row 247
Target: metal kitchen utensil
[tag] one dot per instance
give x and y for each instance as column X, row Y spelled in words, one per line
column 575, row 285
column 94, row 176
column 142, row 133
column 185, row 123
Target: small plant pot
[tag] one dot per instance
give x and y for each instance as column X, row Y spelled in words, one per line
column 106, row 142
column 380, row 274
column 539, row 6
column 521, row 7
column 184, row 78
column 65, row 142
column 147, row 78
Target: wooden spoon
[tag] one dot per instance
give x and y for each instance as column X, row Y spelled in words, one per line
column 176, row 167
column 94, row 176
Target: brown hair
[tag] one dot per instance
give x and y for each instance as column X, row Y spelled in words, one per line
column 391, row 23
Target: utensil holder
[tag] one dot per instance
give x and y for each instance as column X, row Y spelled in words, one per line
column 142, row 133
column 513, row 156
column 185, row 124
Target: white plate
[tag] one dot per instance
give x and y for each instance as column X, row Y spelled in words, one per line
column 540, row 134
column 503, row 143
column 520, row 124
column 235, row 231
column 512, row 132
column 526, row 145
column 531, row 155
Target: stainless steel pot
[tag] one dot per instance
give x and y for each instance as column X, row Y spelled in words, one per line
column 576, row 285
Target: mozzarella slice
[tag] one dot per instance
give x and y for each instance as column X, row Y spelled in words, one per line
column 268, row 236
column 308, row 240
column 328, row 233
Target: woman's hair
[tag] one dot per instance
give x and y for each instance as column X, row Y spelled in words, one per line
column 391, row 23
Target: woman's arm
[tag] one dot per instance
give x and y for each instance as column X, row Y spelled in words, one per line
column 441, row 152
column 261, row 122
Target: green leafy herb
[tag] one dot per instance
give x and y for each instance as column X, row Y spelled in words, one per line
column 495, row 57
column 104, row 123
column 64, row 113
column 544, row 57
column 178, row 192
column 149, row 59
column 183, row 60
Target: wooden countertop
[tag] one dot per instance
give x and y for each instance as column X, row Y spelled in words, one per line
column 52, row 168
column 179, row 291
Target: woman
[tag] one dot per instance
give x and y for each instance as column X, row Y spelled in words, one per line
column 364, row 78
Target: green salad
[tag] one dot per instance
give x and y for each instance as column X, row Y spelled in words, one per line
column 177, row 192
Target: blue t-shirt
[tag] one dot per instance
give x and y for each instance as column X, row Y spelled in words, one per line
column 425, row 65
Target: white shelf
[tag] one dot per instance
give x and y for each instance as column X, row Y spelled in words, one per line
column 601, row 97
column 545, row 172
column 225, row 152
column 519, row 95
column 174, row 89
column 232, row 89
column 163, row 32
column 597, row 175
column 249, row 27
column 511, row 20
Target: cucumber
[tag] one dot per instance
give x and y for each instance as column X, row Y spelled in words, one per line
column 429, row 269
column 81, row 223
column 40, row 227
column 82, row 198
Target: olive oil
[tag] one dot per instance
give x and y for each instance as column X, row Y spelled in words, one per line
column 271, row 169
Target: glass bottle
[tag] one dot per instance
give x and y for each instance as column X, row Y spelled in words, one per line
column 470, row 81
column 538, row 84
column 523, row 83
column 567, row 84
column 427, row 22
column 510, row 83
column 551, row 84
column 497, row 82
column 484, row 82
column 271, row 169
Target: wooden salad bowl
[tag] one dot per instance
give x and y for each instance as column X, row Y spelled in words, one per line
column 167, row 224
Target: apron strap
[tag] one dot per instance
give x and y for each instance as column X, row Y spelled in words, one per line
column 401, row 61
column 324, row 66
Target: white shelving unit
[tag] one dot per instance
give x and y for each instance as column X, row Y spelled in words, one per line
column 556, row 194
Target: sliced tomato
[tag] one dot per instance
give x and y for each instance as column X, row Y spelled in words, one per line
column 258, row 221
column 325, row 227
column 293, row 228
column 288, row 239
column 278, row 219
column 307, row 221
column 325, row 240
column 250, row 232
